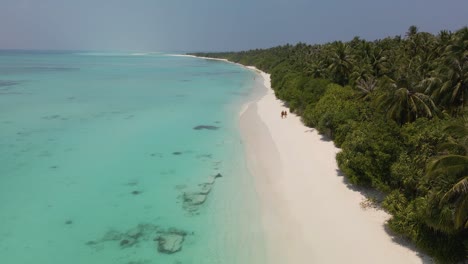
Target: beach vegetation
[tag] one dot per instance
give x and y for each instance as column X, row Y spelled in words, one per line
column 397, row 108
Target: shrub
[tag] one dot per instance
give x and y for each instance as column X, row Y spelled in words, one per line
column 368, row 153
column 335, row 108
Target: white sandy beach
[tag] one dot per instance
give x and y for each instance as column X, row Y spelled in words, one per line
column 308, row 212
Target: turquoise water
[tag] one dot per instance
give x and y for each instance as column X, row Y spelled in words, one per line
column 100, row 153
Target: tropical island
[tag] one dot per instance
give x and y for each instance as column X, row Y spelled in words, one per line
column 397, row 109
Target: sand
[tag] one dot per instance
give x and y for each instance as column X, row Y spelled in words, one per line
column 309, row 213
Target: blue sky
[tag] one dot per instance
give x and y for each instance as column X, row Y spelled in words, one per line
column 214, row 25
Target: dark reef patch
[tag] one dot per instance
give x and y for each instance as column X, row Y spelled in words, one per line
column 68, row 222
column 127, row 242
column 124, row 242
column 206, row 127
column 177, row 153
column 192, row 200
column 8, row 83
column 129, row 238
column 168, row 241
column 204, row 156
column 91, row 243
column 136, row 192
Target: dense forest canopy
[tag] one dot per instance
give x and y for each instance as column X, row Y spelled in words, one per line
column 397, row 107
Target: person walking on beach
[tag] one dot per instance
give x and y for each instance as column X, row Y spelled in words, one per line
column 285, row 114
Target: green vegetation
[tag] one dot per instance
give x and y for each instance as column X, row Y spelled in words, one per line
column 397, row 107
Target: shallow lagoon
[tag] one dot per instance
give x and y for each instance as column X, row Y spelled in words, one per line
column 101, row 152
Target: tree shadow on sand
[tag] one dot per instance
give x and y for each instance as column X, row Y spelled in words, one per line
column 325, row 138
column 404, row 242
column 367, row 192
column 376, row 197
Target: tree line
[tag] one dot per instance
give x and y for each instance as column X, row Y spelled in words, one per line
column 397, row 108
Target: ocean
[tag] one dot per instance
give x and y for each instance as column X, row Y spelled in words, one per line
column 124, row 158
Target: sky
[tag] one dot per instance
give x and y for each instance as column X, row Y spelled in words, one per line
column 214, row 25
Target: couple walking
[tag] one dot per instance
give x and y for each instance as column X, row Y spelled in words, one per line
column 284, row 114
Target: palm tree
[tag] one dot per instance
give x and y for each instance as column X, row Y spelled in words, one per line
column 453, row 92
column 457, row 195
column 444, row 38
column 405, row 105
column 455, row 166
column 412, row 42
column 340, row 62
column 315, row 69
column 361, row 70
column 378, row 61
column 366, row 86
column 412, row 31
column 459, row 191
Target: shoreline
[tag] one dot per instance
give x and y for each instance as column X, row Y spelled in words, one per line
column 310, row 215
column 308, row 212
